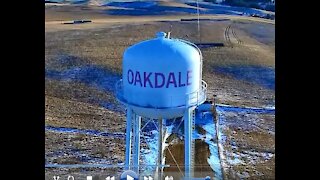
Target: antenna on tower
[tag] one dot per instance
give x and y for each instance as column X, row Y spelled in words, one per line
column 198, row 13
column 170, row 30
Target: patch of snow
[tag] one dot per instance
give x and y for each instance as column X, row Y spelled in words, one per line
column 243, row 175
column 206, row 122
column 150, row 156
column 254, row 156
column 234, row 159
column 84, row 131
column 269, row 107
column 214, row 160
column 229, row 108
column 168, row 131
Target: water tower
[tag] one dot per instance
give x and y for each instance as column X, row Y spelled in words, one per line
column 161, row 79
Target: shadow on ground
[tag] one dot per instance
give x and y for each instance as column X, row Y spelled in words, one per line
column 99, row 77
column 263, row 76
column 70, row 69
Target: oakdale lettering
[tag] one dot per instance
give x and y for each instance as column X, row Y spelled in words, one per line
column 158, row 79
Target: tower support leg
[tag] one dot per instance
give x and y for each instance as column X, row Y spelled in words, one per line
column 188, row 143
column 136, row 145
column 128, row 138
column 160, row 149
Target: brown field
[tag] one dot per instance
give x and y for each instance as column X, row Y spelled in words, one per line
column 202, row 168
column 74, row 103
column 249, row 148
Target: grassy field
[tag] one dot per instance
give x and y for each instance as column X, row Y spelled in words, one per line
column 83, row 62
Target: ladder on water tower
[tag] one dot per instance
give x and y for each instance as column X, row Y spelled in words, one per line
column 193, row 118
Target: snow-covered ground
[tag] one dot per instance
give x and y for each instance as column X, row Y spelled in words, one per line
column 205, row 121
column 246, row 139
column 149, row 153
column 261, row 110
column 225, row 153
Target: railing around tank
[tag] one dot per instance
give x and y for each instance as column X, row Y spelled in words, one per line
column 198, row 97
column 191, row 99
